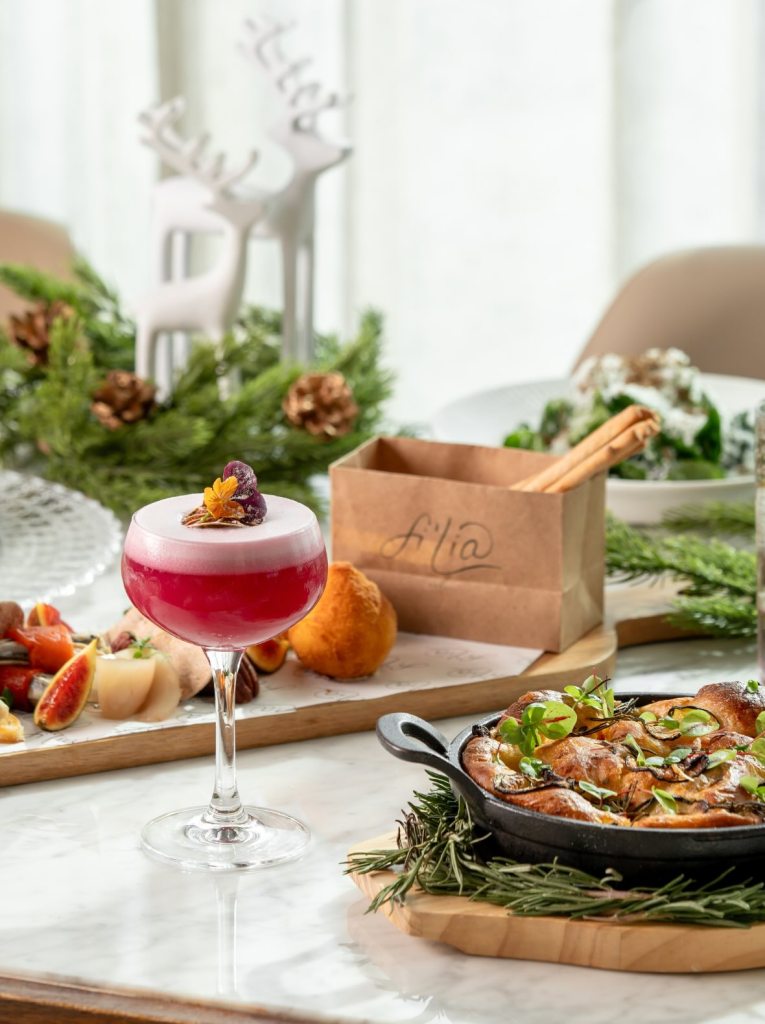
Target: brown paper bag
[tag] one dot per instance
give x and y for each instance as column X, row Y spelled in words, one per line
column 460, row 554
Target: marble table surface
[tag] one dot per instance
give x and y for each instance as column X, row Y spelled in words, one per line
column 81, row 901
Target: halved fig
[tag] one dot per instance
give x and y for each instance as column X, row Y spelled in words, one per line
column 67, row 693
column 122, row 683
column 269, row 656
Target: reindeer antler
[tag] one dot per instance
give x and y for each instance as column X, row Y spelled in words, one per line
column 190, row 156
column 306, row 99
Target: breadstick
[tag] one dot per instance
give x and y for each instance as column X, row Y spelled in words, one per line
column 622, row 447
column 597, row 439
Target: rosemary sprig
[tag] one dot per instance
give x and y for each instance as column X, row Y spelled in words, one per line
column 439, row 850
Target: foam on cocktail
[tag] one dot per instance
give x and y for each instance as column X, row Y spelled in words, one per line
column 289, row 535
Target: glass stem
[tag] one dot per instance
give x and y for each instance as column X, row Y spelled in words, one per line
column 225, row 806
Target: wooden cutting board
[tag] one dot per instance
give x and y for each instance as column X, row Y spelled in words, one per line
column 638, row 612
column 485, row 930
column 324, row 707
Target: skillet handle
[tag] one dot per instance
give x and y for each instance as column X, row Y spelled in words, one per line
column 413, row 739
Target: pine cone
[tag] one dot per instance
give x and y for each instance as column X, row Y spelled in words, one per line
column 322, row 404
column 31, row 331
column 122, row 398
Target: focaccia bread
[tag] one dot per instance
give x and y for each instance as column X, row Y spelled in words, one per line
column 680, row 762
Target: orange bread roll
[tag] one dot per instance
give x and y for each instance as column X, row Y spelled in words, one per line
column 350, row 631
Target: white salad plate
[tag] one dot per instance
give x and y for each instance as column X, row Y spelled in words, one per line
column 486, row 418
column 52, row 539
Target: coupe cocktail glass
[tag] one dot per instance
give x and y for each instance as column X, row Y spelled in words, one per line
column 224, row 588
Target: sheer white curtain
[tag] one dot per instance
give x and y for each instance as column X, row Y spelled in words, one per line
column 514, row 160
column 72, row 77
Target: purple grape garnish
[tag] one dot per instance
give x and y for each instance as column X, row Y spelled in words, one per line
column 247, row 493
column 254, row 508
column 246, row 480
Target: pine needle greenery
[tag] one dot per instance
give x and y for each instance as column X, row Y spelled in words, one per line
column 440, row 851
column 731, row 518
column 47, row 427
column 719, row 581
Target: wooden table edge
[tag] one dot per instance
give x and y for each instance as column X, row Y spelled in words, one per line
column 50, row 999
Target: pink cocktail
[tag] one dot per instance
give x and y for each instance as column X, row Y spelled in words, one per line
column 224, row 588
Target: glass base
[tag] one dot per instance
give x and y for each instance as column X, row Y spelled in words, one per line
column 184, row 838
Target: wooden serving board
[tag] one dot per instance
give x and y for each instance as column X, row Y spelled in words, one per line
column 638, row 612
column 295, row 705
column 485, row 930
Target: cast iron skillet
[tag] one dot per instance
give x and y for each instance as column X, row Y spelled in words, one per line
column 648, row 856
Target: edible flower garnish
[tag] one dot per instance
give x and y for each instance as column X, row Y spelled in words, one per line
column 233, row 500
column 218, row 499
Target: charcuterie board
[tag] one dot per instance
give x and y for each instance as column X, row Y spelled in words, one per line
column 485, row 930
column 435, row 677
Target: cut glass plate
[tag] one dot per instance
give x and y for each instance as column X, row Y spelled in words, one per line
column 52, row 539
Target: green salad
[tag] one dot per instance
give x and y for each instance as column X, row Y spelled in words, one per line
column 694, row 442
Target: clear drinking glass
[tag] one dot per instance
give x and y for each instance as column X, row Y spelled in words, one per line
column 224, row 589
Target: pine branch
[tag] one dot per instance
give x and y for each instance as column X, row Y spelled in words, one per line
column 720, row 615
column 38, row 286
column 706, row 565
column 718, row 595
column 59, row 417
column 91, row 281
column 46, row 420
column 735, row 519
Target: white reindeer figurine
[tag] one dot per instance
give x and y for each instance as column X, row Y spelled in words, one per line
column 181, row 206
column 291, row 216
column 207, row 302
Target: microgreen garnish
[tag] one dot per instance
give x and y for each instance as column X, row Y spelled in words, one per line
column 655, row 760
column 143, row 648
column 689, row 721
column 599, row 792
column 677, row 755
column 7, row 697
column 632, row 743
column 550, row 719
column 720, row 756
column 754, row 785
column 647, row 716
column 532, row 767
column 666, row 800
column 593, row 693
column 760, row 722
column 757, row 748
column 752, row 685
